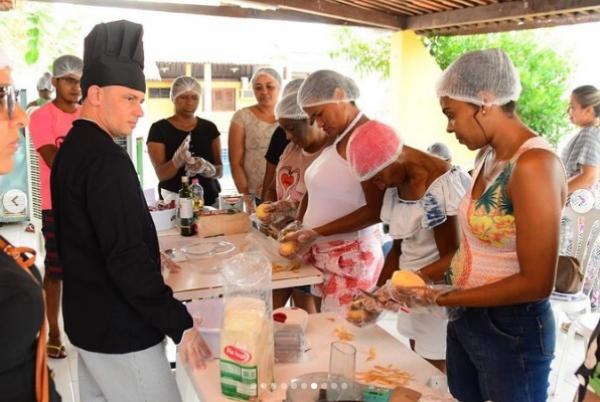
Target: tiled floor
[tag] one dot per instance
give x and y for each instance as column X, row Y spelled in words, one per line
column 65, row 370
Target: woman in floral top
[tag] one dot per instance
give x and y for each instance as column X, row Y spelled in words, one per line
column 250, row 133
column 501, row 343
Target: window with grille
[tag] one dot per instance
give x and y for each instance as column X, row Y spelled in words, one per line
column 159, row 93
column 223, row 99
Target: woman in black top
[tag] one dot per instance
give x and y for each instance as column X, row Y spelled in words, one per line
column 172, row 153
column 21, row 300
column 278, row 143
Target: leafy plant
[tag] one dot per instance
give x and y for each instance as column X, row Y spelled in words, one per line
column 368, row 56
column 33, row 31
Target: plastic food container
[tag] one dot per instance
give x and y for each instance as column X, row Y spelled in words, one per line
column 210, row 311
column 164, row 219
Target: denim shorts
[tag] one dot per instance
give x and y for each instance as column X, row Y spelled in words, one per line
column 501, row 354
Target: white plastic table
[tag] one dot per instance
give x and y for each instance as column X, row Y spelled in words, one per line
column 200, row 278
column 203, row 384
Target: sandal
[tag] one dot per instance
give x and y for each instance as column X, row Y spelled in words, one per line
column 56, row 351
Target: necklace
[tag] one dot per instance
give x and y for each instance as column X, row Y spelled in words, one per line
column 492, row 167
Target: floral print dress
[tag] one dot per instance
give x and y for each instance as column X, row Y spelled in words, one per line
column 347, row 266
column 256, row 142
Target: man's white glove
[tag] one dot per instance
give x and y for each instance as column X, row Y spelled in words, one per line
column 196, row 165
column 182, row 153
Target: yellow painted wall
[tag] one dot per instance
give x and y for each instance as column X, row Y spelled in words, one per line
column 416, row 110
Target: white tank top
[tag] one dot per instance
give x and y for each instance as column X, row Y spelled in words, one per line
column 333, row 190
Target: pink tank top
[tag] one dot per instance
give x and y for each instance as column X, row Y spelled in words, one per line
column 488, row 250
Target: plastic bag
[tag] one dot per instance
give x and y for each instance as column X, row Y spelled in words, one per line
column 247, row 349
column 364, row 310
column 270, row 248
column 289, row 228
column 277, row 211
column 422, row 299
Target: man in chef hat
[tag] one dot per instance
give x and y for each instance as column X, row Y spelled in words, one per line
column 117, row 308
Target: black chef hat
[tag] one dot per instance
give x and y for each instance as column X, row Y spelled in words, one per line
column 113, row 54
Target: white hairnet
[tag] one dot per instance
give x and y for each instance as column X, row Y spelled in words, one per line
column 66, row 65
column 320, row 88
column 4, row 60
column 440, row 150
column 182, row 84
column 266, row 71
column 292, row 87
column 45, row 82
column 481, row 77
column 372, row 147
column 288, row 108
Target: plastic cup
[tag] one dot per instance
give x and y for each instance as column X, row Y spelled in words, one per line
column 342, row 360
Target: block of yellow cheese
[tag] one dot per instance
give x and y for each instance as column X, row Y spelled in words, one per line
column 261, row 211
column 288, row 248
column 407, row 279
column 247, row 353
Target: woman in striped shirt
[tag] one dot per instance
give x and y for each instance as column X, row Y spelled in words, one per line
column 582, row 154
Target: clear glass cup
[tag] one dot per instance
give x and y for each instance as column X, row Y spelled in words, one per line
column 342, row 360
column 249, row 205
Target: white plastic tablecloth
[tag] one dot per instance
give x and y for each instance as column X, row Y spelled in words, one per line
column 203, row 384
column 200, row 277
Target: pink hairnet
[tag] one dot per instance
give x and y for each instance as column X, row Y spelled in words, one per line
column 372, row 147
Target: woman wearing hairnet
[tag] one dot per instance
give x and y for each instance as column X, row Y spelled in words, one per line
column 501, row 343
column 440, row 150
column 44, row 88
column 420, row 207
column 277, row 144
column 339, row 212
column 250, row 132
column 306, row 143
column 24, row 375
column 185, row 144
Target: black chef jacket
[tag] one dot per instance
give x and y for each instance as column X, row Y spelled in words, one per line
column 114, row 297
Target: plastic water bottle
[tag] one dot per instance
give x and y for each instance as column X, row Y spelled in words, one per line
column 186, row 211
column 197, row 197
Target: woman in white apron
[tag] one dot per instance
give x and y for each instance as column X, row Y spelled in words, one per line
column 339, row 213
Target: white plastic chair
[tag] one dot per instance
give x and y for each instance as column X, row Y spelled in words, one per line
column 579, row 237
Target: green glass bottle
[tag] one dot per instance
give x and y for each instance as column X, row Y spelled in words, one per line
column 186, row 210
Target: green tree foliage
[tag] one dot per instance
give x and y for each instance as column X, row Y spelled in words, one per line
column 33, row 32
column 544, row 74
column 368, row 56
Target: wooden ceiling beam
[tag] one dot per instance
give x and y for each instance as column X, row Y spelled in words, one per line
column 219, row 11
column 498, row 12
column 429, row 6
column 519, row 24
column 329, row 9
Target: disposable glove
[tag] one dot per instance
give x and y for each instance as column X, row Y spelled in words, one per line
column 182, row 153
column 197, row 165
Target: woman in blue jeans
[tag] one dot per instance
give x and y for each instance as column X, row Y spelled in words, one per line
column 500, row 342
